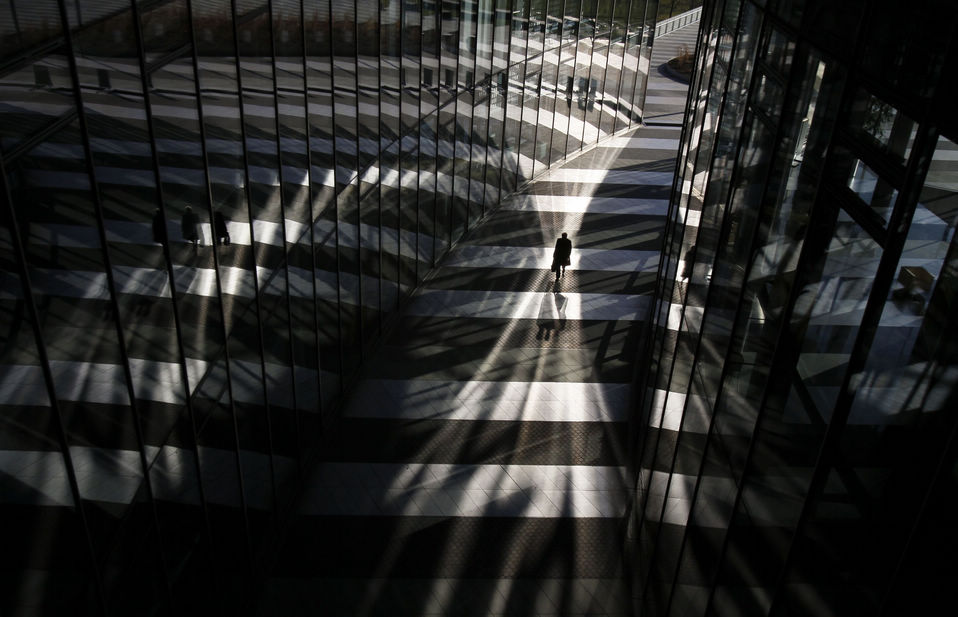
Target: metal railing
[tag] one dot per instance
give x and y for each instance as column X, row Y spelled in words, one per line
column 674, row 23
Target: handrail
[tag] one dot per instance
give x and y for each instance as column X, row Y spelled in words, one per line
column 679, row 21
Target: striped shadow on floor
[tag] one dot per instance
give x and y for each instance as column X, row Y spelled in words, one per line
column 481, row 461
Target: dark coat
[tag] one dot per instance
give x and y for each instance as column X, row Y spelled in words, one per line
column 188, row 224
column 562, row 252
column 159, row 228
column 219, row 225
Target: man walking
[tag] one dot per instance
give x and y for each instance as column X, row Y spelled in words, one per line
column 560, row 257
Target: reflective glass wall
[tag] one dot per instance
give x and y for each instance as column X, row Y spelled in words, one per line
column 210, row 210
column 672, row 8
column 797, row 449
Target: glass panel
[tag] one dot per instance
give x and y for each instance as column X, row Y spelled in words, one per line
column 898, row 376
column 882, row 126
column 64, row 256
column 34, row 470
column 537, row 16
column 410, row 80
column 554, row 18
column 583, row 64
column 367, row 75
column 520, row 29
column 501, row 34
column 610, row 89
column 463, row 154
column 829, row 314
column 587, row 21
column 484, row 41
column 547, row 103
column 897, row 427
column 512, row 127
column 570, row 22
column 349, row 282
column 431, row 50
column 497, row 104
column 29, row 22
column 450, row 50
column 603, row 19
column 563, row 104
column 370, row 256
column 35, row 95
column 389, row 205
column 320, row 123
column 468, row 43
column 445, row 163
column 876, row 192
column 427, row 192
column 480, row 131
column 409, row 209
column 594, row 103
column 530, row 113
column 825, row 323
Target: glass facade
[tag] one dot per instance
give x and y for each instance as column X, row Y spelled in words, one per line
column 210, row 210
column 797, row 448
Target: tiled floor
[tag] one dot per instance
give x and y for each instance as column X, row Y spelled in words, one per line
column 480, row 468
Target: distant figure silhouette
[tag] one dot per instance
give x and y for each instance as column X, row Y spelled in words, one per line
column 159, row 227
column 189, row 224
column 560, row 257
column 220, row 231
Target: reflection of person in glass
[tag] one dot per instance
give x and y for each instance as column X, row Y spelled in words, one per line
column 159, row 227
column 561, row 254
column 189, row 224
column 220, row 231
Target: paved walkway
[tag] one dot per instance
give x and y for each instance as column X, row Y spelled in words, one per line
column 481, row 465
column 480, row 468
column 665, row 99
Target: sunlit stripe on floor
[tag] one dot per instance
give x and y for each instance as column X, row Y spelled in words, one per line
column 670, row 496
column 677, row 101
column 527, row 305
column 637, row 142
column 605, row 176
column 483, row 256
column 116, row 476
column 490, row 400
column 416, row 489
column 162, row 382
column 666, row 84
column 590, row 205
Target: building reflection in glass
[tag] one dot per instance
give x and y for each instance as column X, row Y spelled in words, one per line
column 160, row 395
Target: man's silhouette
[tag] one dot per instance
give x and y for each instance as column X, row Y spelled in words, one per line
column 560, row 257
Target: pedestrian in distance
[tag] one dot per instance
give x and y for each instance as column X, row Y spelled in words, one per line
column 190, row 227
column 159, row 227
column 220, row 230
column 561, row 255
